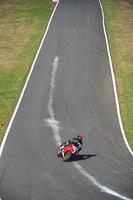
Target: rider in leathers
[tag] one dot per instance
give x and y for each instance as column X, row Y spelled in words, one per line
column 77, row 142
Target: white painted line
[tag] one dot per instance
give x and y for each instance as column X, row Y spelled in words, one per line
column 52, row 83
column 52, row 122
column 101, row 187
column 114, row 85
column 24, row 88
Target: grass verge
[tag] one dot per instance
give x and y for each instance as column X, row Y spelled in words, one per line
column 118, row 20
column 22, row 25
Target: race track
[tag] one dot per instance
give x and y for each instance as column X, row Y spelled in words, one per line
column 69, row 92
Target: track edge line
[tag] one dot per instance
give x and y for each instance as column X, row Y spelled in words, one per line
column 114, row 84
column 25, row 85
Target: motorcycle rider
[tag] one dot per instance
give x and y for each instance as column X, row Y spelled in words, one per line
column 77, row 142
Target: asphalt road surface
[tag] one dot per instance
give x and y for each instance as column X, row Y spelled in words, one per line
column 70, row 92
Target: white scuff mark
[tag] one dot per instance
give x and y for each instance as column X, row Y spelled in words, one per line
column 52, row 122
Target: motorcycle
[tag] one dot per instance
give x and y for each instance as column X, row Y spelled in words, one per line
column 67, row 151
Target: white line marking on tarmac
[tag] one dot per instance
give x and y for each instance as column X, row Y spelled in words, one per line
column 25, row 86
column 114, row 85
column 55, row 126
column 101, row 187
column 52, row 122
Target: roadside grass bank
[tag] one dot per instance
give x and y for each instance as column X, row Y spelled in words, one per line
column 22, row 25
column 119, row 25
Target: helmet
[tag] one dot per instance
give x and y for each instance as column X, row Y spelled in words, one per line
column 79, row 137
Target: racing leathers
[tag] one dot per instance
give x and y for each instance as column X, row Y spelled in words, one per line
column 77, row 144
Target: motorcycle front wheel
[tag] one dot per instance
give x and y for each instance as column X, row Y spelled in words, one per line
column 67, row 156
column 59, row 154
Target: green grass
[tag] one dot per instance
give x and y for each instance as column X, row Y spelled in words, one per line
column 118, row 20
column 22, row 25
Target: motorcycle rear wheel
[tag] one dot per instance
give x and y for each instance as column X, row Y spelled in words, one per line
column 59, row 154
column 66, row 156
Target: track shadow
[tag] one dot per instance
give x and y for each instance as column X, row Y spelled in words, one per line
column 82, row 157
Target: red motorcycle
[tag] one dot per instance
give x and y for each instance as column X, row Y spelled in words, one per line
column 67, row 151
